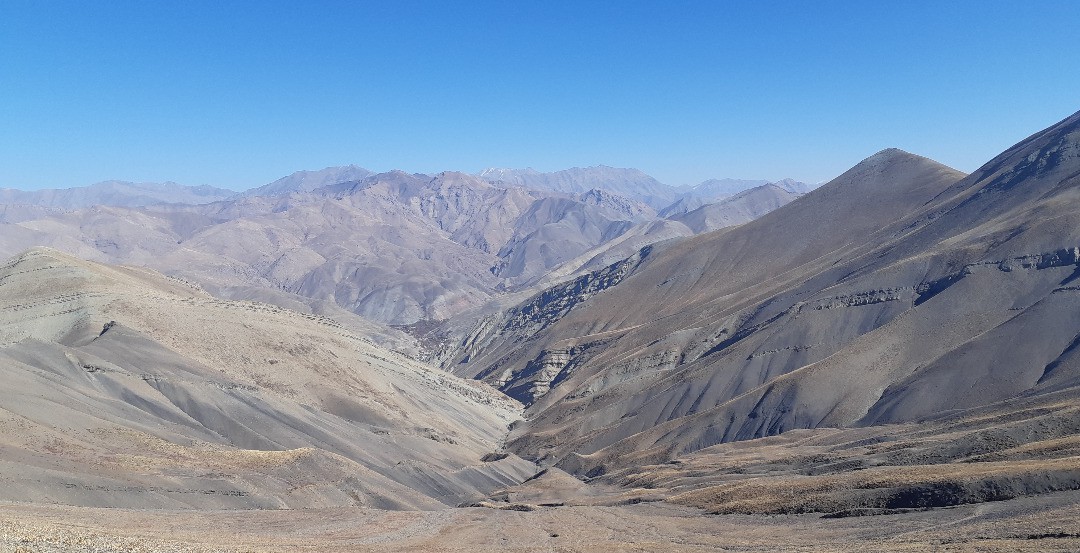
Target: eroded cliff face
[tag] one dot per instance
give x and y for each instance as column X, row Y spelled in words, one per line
column 555, row 302
column 477, row 355
column 538, row 376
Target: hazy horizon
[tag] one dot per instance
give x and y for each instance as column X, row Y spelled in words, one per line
column 381, row 171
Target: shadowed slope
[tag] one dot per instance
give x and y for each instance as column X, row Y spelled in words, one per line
column 711, row 277
column 896, row 292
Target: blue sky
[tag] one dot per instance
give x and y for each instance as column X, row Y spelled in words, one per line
column 236, row 94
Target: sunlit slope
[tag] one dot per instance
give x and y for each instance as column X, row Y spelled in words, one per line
column 125, row 388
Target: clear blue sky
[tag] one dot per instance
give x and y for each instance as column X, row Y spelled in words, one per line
column 236, row 94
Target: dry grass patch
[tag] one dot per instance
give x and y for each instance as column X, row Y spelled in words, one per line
column 887, row 487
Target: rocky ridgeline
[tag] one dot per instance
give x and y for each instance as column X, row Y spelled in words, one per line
column 535, row 379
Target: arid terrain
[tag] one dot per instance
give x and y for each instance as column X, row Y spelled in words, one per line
column 1047, row 523
column 520, row 361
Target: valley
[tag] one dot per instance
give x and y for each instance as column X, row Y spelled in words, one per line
column 583, row 360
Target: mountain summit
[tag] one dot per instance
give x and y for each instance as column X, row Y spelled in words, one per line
column 306, row 181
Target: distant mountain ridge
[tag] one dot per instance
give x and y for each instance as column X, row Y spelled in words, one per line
column 631, row 183
column 394, row 248
column 716, row 188
column 306, row 181
column 740, row 208
column 634, row 184
column 115, row 193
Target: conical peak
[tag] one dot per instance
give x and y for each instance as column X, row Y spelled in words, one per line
column 892, row 164
column 889, row 155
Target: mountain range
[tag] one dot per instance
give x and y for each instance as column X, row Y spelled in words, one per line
column 585, row 360
column 394, row 248
column 115, row 193
column 630, row 183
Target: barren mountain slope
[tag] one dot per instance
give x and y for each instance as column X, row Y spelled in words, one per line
column 379, row 253
column 1021, row 447
column 395, row 248
column 680, row 281
column 159, row 238
column 555, row 230
column 727, row 212
column 608, row 250
column 125, row 388
column 894, row 293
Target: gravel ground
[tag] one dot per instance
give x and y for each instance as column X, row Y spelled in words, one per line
column 1049, row 523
